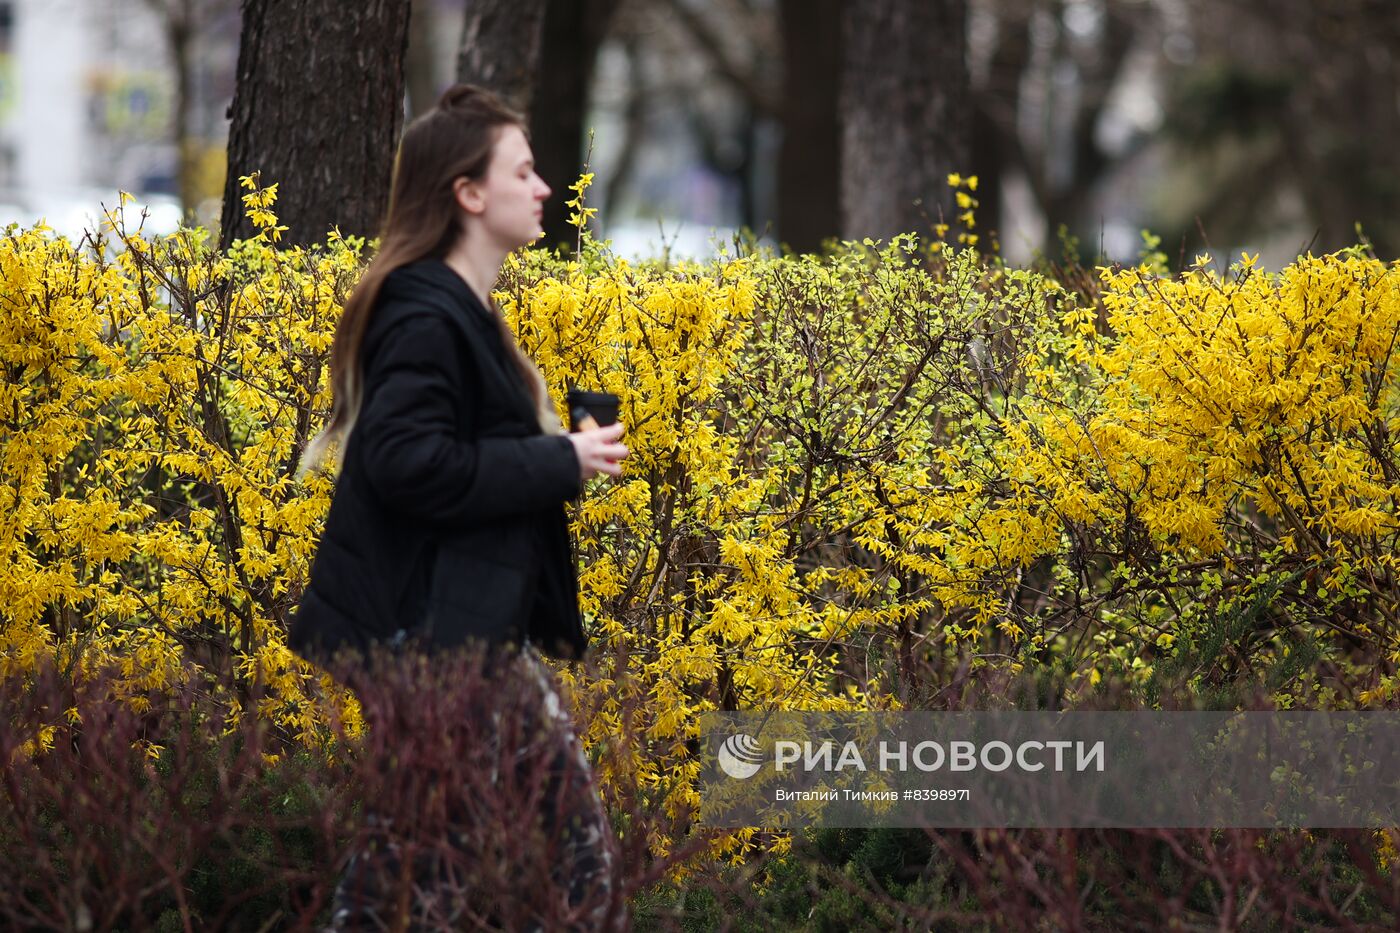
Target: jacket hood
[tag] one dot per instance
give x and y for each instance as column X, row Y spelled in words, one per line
column 430, row 276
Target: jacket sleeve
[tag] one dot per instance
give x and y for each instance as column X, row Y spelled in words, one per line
column 413, row 458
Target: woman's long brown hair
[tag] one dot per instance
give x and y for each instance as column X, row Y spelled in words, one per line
column 452, row 140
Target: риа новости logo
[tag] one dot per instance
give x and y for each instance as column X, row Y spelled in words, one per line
column 740, row 756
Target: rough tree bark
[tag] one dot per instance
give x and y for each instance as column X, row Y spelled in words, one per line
column 317, row 108
column 500, row 48
column 904, row 114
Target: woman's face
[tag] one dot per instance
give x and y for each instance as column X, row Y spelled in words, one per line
column 507, row 204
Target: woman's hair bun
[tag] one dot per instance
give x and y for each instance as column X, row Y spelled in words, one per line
column 478, row 101
column 459, row 94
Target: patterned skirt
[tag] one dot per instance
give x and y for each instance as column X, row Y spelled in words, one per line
column 525, row 845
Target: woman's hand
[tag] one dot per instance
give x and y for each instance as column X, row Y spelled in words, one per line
column 598, row 449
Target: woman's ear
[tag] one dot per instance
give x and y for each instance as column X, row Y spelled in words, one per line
column 468, row 196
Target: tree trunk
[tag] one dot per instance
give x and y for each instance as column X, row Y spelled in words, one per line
column 573, row 30
column 420, row 61
column 178, row 20
column 634, row 118
column 180, row 30
column 809, row 163
column 500, row 48
column 1073, row 205
column 317, row 108
column 904, row 111
column 994, row 123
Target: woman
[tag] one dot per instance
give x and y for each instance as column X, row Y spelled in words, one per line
column 447, row 527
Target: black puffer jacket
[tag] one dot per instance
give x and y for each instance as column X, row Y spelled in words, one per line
column 448, row 519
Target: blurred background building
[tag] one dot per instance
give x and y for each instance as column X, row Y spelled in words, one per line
column 90, row 91
column 1267, row 125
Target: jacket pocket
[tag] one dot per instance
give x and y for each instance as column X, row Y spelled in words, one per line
column 480, row 588
column 415, row 595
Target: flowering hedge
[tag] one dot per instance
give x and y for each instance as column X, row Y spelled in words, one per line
column 862, row 479
column 156, row 396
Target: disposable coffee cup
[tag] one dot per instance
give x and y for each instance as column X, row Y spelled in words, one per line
column 601, row 407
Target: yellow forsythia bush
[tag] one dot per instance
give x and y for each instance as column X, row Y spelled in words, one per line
column 857, row 479
column 787, row 500
column 1224, row 446
column 155, row 398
